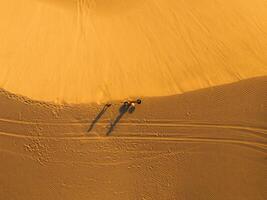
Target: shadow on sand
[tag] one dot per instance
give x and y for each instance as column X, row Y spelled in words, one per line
column 123, row 109
column 104, row 109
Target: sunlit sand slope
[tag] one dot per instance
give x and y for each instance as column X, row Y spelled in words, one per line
column 95, row 50
column 208, row 144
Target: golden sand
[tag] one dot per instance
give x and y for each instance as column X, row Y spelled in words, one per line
column 95, row 50
column 200, row 68
column 208, row 144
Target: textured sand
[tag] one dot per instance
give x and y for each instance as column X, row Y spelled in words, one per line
column 81, row 51
column 208, row 144
column 200, row 133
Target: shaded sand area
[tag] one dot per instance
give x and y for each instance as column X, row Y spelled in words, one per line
column 207, row 144
column 81, row 51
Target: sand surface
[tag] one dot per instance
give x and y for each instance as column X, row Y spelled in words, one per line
column 81, row 51
column 200, row 68
column 208, row 144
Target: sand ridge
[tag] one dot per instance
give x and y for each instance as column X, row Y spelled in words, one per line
column 96, row 51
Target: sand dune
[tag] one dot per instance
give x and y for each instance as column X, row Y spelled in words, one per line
column 81, row 51
column 206, row 144
column 200, row 68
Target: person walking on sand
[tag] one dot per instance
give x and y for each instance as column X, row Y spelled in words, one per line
column 132, row 103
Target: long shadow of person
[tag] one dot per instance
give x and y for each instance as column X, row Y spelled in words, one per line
column 104, row 109
column 123, row 109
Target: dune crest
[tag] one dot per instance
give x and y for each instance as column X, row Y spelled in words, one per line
column 121, row 49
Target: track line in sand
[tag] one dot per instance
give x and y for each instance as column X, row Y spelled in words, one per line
column 262, row 145
column 156, row 155
column 152, row 123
